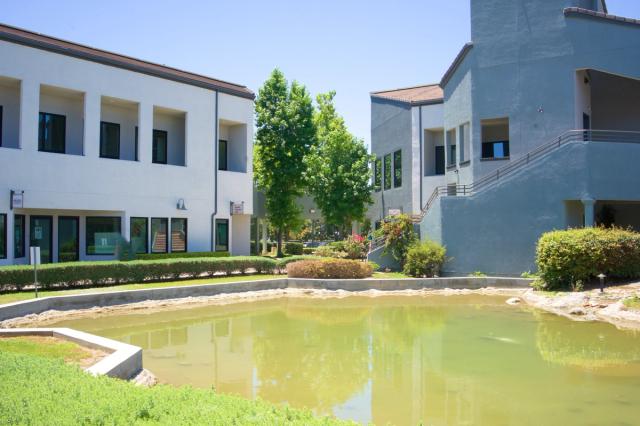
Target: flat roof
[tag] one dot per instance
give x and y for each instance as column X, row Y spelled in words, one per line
column 416, row 95
column 64, row 47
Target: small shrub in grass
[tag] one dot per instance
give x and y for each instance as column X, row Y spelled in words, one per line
column 477, row 274
column 330, row 269
column 185, row 255
column 294, row 249
column 330, row 251
column 424, row 259
column 309, row 251
column 567, row 259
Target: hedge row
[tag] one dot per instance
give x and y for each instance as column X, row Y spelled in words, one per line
column 330, row 268
column 116, row 272
column 157, row 256
column 294, row 248
column 566, row 259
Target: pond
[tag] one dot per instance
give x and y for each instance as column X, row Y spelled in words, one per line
column 463, row 359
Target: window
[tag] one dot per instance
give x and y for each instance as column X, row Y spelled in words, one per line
column 138, row 234
column 387, row 171
column 465, row 142
column 222, row 155
column 495, row 149
column 159, row 241
column 52, row 133
column 19, row 223
column 495, row 138
column 222, row 235
column 377, row 174
column 109, row 140
column 68, row 239
column 103, row 234
column 178, row 235
column 397, row 169
column 159, row 146
column 439, row 160
column 451, row 145
column 3, row 236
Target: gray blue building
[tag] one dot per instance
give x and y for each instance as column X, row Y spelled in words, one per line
column 534, row 127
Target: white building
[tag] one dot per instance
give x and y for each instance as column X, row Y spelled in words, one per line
column 94, row 145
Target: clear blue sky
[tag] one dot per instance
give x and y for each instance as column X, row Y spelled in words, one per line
column 351, row 46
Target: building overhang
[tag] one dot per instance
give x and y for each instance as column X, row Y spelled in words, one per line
column 456, row 64
column 577, row 12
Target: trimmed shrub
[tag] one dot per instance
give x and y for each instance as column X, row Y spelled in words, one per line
column 566, row 259
column 424, row 259
column 282, row 263
column 330, row 268
column 309, row 251
column 294, row 248
column 114, row 272
column 192, row 254
column 330, row 251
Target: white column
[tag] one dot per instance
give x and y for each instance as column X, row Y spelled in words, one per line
column 145, row 132
column 589, row 212
column 29, row 109
column 91, row 142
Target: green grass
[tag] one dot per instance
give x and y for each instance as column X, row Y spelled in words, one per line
column 389, row 275
column 26, row 295
column 41, row 391
column 54, row 349
column 632, row 302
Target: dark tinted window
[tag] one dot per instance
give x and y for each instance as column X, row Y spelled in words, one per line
column 103, row 234
column 139, row 234
column 160, row 146
column 19, row 224
column 397, row 169
column 109, row 140
column 52, row 132
column 387, row 171
column 178, row 235
column 159, row 230
column 222, row 235
column 222, row 155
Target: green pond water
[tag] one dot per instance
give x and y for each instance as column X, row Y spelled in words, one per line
column 395, row 359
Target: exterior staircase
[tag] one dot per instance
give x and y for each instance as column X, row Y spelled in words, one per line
column 520, row 163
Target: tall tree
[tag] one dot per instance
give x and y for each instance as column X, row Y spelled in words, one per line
column 338, row 172
column 285, row 134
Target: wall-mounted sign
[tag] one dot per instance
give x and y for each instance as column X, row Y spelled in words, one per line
column 237, row 208
column 34, row 258
column 395, row 212
column 17, row 199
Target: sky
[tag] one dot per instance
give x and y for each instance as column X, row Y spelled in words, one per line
column 351, row 46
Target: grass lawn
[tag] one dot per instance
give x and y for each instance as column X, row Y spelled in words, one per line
column 26, row 295
column 41, row 391
column 47, row 347
column 389, row 275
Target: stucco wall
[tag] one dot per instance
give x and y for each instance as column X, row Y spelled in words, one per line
column 390, row 131
column 82, row 184
column 10, row 102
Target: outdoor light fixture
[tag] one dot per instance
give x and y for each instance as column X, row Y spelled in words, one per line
column 180, row 205
column 602, row 278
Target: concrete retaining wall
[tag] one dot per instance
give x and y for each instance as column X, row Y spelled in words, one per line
column 87, row 301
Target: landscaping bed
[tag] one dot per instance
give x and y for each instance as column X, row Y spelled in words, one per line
column 35, row 390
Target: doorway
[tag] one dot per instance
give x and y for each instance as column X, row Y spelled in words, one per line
column 68, row 239
column 41, row 235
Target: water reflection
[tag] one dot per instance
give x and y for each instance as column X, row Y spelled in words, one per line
column 398, row 360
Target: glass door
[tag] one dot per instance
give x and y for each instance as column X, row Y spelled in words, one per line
column 222, row 235
column 68, row 239
column 41, row 235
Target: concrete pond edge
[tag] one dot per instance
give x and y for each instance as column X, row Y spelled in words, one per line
column 123, row 361
column 125, row 297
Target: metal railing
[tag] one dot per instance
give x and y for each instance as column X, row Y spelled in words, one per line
column 571, row 136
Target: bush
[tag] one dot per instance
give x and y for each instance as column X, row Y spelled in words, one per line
column 114, row 272
column 294, row 248
column 399, row 236
column 329, row 251
column 309, row 251
column 424, row 259
column 566, row 259
column 330, row 268
column 355, row 247
column 156, row 256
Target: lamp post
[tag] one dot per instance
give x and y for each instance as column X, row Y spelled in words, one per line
column 313, row 224
column 602, row 278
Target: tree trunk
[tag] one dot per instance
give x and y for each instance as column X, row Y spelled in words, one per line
column 279, row 253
